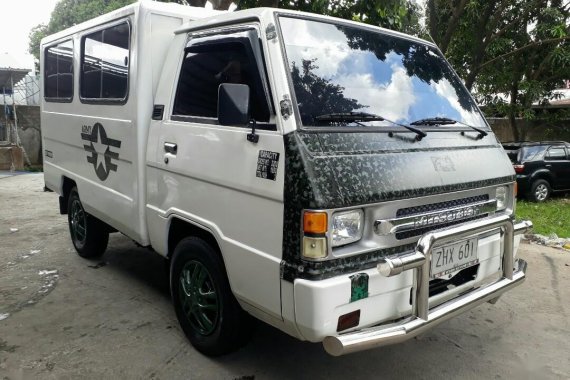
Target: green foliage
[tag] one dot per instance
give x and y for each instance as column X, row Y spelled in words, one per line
column 68, row 13
column 517, row 48
column 401, row 15
column 309, row 86
column 36, row 34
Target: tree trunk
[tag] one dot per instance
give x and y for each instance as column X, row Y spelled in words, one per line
column 221, row 5
column 197, row 3
column 452, row 25
column 513, row 110
column 433, row 27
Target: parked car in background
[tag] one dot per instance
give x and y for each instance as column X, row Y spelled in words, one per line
column 541, row 167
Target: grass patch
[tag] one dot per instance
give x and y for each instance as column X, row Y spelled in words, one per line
column 548, row 217
column 34, row 168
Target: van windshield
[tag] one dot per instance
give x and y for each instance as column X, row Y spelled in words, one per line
column 342, row 70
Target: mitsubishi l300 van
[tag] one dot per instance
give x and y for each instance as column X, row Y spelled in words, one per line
column 333, row 179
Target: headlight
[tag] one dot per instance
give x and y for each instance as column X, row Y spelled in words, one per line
column 501, row 197
column 347, row 227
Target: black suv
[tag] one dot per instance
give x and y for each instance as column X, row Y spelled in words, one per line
column 541, row 167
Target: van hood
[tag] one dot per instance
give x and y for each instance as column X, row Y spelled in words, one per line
column 331, row 170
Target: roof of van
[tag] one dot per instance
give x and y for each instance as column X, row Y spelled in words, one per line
column 202, row 17
column 154, row 6
column 225, row 17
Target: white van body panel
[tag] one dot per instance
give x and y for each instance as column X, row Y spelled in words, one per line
column 212, row 182
column 119, row 199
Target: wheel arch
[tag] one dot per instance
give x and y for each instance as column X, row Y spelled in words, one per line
column 181, row 228
column 541, row 174
column 66, row 185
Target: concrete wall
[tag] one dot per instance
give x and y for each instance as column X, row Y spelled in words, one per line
column 534, row 130
column 29, row 131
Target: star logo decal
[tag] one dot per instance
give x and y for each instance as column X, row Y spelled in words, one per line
column 99, row 148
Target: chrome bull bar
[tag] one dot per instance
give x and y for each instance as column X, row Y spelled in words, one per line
column 422, row 317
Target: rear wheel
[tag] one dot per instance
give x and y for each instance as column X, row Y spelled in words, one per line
column 89, row 235
column 540, row 190
column 206, row 308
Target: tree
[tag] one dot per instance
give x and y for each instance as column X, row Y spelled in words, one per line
column 68, row 13
column 514, row 47
column 309, row 86
column 401, row 15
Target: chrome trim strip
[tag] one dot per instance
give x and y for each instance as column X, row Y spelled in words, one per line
column 385, row 227
column 422, row 317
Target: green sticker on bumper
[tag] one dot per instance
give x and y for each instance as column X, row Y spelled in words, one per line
column 358, row 286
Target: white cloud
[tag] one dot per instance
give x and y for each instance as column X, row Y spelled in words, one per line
column 444, row 89
column 328, row 49
column 19, row 17
column 392, row 100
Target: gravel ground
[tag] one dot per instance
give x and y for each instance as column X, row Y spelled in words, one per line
column 63, row 317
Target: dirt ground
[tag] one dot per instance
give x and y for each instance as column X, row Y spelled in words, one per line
column 63, row 317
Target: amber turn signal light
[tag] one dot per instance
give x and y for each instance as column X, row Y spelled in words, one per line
column 315, row 222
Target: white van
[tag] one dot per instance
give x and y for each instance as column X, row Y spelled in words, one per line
column 333, row 179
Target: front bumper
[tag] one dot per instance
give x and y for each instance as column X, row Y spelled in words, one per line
column 424, row 318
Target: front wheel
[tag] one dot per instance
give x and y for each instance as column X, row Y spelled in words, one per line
column 540, row 190
column 89, row 235
column 205, row 306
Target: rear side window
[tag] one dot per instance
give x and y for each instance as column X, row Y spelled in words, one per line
column 58, row 72
column 105, row 64
column 530, row 153
column 211, row 61
column 556, row 154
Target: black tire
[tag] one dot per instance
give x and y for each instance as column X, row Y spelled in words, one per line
column 215, row 324
column 540, row 191
column 88, row 234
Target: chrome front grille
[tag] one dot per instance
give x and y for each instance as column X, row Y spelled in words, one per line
column 434, row 207
column 421, row 231
column 408, row 211
column 420, row 219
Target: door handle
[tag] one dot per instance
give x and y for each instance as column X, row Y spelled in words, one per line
column 171, row 148
column 548, row 166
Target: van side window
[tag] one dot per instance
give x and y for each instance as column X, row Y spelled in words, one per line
column 58, row 72
column 105, row 64
column 211, row 61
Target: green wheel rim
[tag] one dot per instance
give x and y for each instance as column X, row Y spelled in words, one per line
column 198, row 297
column 78, row 222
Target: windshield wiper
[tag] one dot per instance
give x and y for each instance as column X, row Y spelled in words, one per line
column 446, row 121
column 356, row 117
column 359, row 117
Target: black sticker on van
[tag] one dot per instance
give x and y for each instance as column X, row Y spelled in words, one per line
column 99, row 149
column 267, row 163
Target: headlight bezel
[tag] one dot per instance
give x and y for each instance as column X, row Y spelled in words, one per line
column 501, row 198
column 336, row 216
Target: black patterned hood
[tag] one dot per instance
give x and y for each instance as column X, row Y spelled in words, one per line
column 338, row 169
column 346, row 169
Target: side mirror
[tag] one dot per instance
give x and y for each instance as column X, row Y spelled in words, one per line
column 233, row 104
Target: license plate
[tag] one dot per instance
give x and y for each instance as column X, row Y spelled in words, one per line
column 453, row 257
